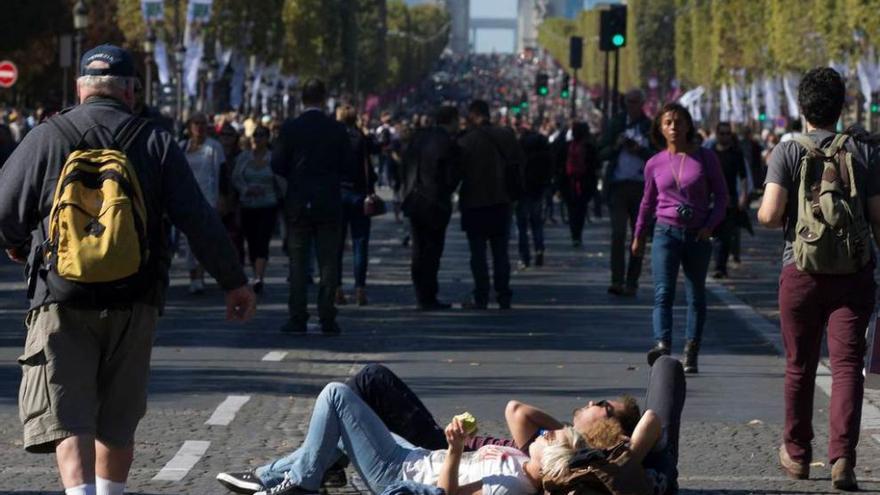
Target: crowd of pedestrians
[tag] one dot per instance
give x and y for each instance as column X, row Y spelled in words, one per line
column 228, row 185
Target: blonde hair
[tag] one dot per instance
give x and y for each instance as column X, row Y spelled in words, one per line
column 557, row 456
column 346, row 114
column 603, row 433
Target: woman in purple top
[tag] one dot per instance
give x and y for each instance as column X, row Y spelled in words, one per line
column 686, row 193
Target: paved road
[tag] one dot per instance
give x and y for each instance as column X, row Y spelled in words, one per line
column 566, row 341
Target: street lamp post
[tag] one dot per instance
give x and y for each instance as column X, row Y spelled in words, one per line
column 149, row 48
column 80, row 23
column 180, row 57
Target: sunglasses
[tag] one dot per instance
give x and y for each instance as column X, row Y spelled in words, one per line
column 604, row 404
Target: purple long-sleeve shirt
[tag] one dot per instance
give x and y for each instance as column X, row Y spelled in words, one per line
column 699, row 175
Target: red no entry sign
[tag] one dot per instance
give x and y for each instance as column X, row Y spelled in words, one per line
column 8, row 74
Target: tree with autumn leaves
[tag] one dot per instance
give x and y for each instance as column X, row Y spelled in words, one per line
column 358, row 46
column 707, row 42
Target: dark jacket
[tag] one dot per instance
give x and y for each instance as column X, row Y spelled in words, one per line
column 311, row 152
column 358, row 176
column 488, row 154
column 609, row 148
column 539, row 163
column 27, row 187
column 431, row 162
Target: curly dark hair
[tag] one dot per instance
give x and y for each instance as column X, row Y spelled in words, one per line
column 656, row 133
column 821, row 94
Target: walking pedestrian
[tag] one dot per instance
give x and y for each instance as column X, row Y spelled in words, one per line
column 827, row 277
column 230, row 204
column 205, row 157
column 259, row 190
column 86, row 361
column 490, row 156
column 580, row 179
column 358, row 180
column 626, row 145
column 686, row 192
column 733, row 167
column 310, row 154
column 530, row 205
column 431, row 173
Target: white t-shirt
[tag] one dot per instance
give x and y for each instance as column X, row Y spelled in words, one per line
column 500, row 468
column 205, row 162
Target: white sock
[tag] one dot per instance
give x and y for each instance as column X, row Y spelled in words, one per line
column 87, row 489
column 107, row 487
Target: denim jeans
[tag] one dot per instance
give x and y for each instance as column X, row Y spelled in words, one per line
column 342, row 423
column 674, row 247
column 530, row 215
column 353, row 218
column 480, row 267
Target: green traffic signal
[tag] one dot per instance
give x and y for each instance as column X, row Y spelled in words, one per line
column 525, row 105
column 875, row 107
column 762, row 116
column 543, row 91
column 564, row 93
column 618, row 40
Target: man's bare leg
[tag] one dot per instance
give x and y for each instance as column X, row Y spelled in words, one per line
column 113, row 463
column 76, row 460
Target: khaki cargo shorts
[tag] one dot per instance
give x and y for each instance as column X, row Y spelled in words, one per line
column 85, row 372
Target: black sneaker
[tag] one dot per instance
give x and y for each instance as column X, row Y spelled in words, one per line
column 434, row 306
column 293, row 328
column 245, row 482
column 539, row 259
column 258, row 287
column 286, row 487
column 335, row 477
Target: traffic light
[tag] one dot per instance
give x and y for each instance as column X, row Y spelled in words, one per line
column 762, row 117
column 542, row 86
column 564, row 92
column 612, row 28
column 875, row 107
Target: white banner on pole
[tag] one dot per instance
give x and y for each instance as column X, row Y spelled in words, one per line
column 771, row 98
column 737, row 112
column 236, row 85
column 754, row 99
column 255, row 87
column 195, row 48
column 789, row 85
column 160, row 54
column 724, row 102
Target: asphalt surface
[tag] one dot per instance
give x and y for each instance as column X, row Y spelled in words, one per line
column 566, row 341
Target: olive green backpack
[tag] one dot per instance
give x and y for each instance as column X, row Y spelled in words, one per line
column 832, row 235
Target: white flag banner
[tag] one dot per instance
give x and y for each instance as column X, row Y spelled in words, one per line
column 771, row 98
column 153, row 10
column 160, row 54
column 195, row 48
column 255, row 87
column 737, row 112
column 842, row 68
column 755, row 99
column 724, row 102
column 224, row 59
column 789, row 85
column 692, row 100
column 236, row 85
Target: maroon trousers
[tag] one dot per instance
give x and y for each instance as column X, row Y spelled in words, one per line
column 807, row 304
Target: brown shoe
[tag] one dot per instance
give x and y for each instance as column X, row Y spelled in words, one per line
column 792, row 468
column 340, row 297
column 360, row 296
column 843, row 477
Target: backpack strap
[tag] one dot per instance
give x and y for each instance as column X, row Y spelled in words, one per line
column 64, row 125
column 836, row 145
column 807, row 143
column 128, row 132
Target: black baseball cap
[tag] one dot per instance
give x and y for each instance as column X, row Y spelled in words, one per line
column 118, row 60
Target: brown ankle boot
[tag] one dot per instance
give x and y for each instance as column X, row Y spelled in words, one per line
column 360, row 295
column 340, row 297
column 794, row 470
column 843, row 476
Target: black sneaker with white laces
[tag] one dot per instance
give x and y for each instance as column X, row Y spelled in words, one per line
column 245, row 482
column 286, row 487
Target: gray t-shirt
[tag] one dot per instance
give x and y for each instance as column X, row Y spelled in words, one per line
column 783, row 168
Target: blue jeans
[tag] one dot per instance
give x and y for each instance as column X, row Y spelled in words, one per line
column 353, row 217
column 530, row 214
column 342, row 423
column 674, row 246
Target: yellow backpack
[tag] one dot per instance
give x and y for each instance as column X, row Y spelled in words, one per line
column 98, row 223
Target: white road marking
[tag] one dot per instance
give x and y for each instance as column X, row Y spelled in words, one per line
column 772, row 334
column 728, row 479
column 183, row 461
column 275, row 356
column 225, row 412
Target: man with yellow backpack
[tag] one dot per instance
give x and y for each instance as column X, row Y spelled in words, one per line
column 83, row 201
